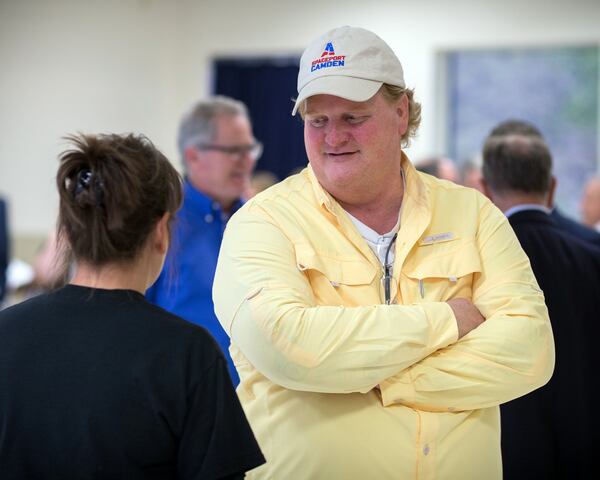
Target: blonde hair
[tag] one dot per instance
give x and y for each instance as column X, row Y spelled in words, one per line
column 392, row 93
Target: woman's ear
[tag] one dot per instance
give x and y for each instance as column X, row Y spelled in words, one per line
column 162, row 234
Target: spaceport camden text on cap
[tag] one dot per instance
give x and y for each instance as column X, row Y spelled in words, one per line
column 347, row 62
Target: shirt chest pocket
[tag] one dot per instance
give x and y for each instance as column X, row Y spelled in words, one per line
column 437, row 274
column 337, row 280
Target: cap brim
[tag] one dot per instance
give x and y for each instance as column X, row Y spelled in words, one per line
column 350, row 88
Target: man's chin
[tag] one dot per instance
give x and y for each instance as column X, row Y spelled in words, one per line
column 234, row 191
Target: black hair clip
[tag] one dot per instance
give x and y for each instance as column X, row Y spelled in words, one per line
column 84, row 180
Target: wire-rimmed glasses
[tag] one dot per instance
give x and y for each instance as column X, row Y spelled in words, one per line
column 253, row 150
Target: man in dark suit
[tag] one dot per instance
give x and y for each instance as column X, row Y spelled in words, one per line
column 550, row 433
column 575, row 228
column 521, row 127
column 4, row 248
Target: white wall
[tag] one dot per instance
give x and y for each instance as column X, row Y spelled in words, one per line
column 135, row 65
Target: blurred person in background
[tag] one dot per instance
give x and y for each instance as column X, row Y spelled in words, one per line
column 219, row 153
column 551, row 432
column 49, row 266
column 524, row 128
column 260, row 180
column 590, row 203
column 49, row 270
column 95, row 381
column 470, row 174
column 4, row 249
column 440, row 167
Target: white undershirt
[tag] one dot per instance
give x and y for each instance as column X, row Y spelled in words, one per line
column 377, row 242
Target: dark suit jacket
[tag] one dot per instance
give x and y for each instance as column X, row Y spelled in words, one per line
column 4, row 247
column 575, row 228
column 552, row 432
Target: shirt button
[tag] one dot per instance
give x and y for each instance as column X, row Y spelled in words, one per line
column 208, row 218
column 426, row 449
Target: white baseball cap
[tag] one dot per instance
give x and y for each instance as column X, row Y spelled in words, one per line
column 348, row 62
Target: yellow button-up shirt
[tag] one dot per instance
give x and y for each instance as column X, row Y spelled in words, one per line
column 337, row 385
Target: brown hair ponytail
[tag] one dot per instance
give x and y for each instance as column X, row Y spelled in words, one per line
column 113, row 189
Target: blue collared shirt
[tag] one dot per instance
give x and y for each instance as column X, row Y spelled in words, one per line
column 184, row 286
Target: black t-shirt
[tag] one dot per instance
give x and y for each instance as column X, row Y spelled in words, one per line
column 102, row 384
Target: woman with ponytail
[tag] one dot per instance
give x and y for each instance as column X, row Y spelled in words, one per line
column 95, row 382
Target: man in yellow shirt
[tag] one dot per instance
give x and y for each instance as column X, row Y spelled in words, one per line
column 378, row 316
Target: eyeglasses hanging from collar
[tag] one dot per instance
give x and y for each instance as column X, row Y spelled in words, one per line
column 387, row 273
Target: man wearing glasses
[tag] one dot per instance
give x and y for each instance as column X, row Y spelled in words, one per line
column 378, row 315
column 219, row 153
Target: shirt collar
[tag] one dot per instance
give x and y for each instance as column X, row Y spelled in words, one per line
column 323, row 197
column 415, row 213
column 371, row 235
column 526, row 206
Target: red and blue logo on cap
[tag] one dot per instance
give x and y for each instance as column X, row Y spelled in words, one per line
column 328, row 50
column 328, row 59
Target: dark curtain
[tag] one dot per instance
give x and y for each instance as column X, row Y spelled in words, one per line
column 266, row 86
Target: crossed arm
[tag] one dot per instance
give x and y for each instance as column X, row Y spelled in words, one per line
column 507, row 356
column 268, row 307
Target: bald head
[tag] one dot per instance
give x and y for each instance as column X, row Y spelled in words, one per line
column 516, row 127
column 517, row 170
column 517, row 163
